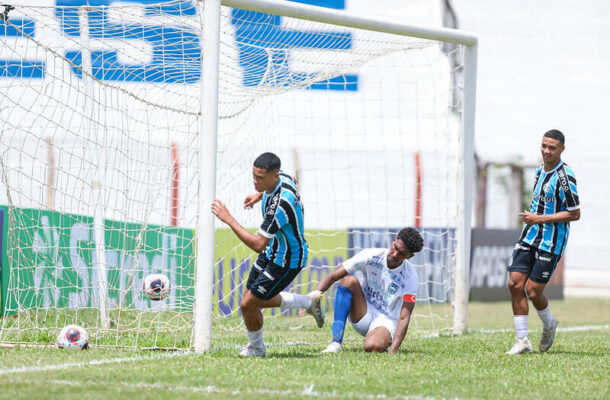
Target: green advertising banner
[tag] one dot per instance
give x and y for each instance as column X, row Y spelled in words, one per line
column 234, row 260
column 49, row 261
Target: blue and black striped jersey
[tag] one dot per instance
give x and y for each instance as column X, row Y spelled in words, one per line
column 283, row 224
column 554, row 191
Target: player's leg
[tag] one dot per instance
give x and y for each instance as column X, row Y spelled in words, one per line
column 251, row 306
column 379, row 337
column 519, row 269
column 516, row 285
column 541, row 273
column 265, row 282
column 535, row 292
column 310, row 303
column 378, row 340
column 249, row 311
column 349, row 301
column 518, row 298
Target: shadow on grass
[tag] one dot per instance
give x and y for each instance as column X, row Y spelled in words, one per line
column 291, row 355
column 572, row 353
column 277, row 354
column 558, row 353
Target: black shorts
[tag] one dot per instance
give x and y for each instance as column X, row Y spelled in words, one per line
column 538, row 264
column 267, row 279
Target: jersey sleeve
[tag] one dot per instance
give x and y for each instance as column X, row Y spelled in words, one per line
column 410, row 292
column 275, row 218
column 357, row 262
column 569, row 189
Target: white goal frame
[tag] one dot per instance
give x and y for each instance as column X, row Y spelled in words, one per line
column 202, row 328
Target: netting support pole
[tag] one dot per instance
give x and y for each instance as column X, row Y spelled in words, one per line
column 96, row 184
column 202, row 318
column 465, row 195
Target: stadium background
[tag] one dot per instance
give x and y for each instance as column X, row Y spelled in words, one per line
column 533, row 78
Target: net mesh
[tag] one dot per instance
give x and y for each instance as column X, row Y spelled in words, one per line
column 92, row 103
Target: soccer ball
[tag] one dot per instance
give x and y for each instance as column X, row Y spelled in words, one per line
column 156, row 286
column 73, row 337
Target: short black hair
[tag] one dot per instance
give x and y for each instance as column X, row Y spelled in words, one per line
column 412, row 239
column 268, row 162
column 557, row 135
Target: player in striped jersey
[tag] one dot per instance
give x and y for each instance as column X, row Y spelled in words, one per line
column 282, row 247
column 542, row 243
column 377, row 289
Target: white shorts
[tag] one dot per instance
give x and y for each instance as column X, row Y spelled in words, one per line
column 373, row 319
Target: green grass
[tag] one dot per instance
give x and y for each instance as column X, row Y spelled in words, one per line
column 471, row 366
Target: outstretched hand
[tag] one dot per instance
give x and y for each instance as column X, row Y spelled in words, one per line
column 530, row 218
column 252, row 199
column 221, row 211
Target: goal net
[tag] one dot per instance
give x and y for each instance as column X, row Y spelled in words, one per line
column 100, row 150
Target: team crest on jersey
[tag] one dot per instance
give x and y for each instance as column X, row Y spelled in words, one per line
column 392, row 288
column 546, row 188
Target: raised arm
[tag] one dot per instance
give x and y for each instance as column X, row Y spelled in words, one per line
column 402, row 326
column 256, row 242
column 326, row 282
column 252, row 199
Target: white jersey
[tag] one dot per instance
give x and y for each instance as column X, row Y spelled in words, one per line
column 384, row 288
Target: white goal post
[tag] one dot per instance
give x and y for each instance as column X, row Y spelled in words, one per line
column 112, row 111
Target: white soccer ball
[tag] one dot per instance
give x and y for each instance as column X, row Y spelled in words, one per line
column 73, row 337
column 156, row 286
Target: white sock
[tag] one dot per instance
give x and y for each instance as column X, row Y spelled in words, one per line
column 521, row 326
column 293, row 300
column 546, row 317
column 255, row 338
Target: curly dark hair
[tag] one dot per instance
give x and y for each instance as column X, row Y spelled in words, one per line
column 412, row 239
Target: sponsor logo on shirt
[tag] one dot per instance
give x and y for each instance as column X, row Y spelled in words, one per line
column 562, row 178
column 376, row 298
column 273, row 205
column 548, row 199
column 376, row 262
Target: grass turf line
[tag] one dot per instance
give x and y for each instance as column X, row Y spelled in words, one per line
column 467, row 366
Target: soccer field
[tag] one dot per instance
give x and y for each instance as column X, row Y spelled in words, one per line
column 471, row 366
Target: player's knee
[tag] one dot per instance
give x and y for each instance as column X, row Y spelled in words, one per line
column 372, row 345
column 533, row 294
column 349, row 282
column 247, row 305
column 377, row 341
column 515, row 286
column 243, row 305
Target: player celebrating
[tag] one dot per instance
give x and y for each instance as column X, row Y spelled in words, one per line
column 542, row 242
column 377, row 290
column 282, row 247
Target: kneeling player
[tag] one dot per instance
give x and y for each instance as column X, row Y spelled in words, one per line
column 376, row 290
